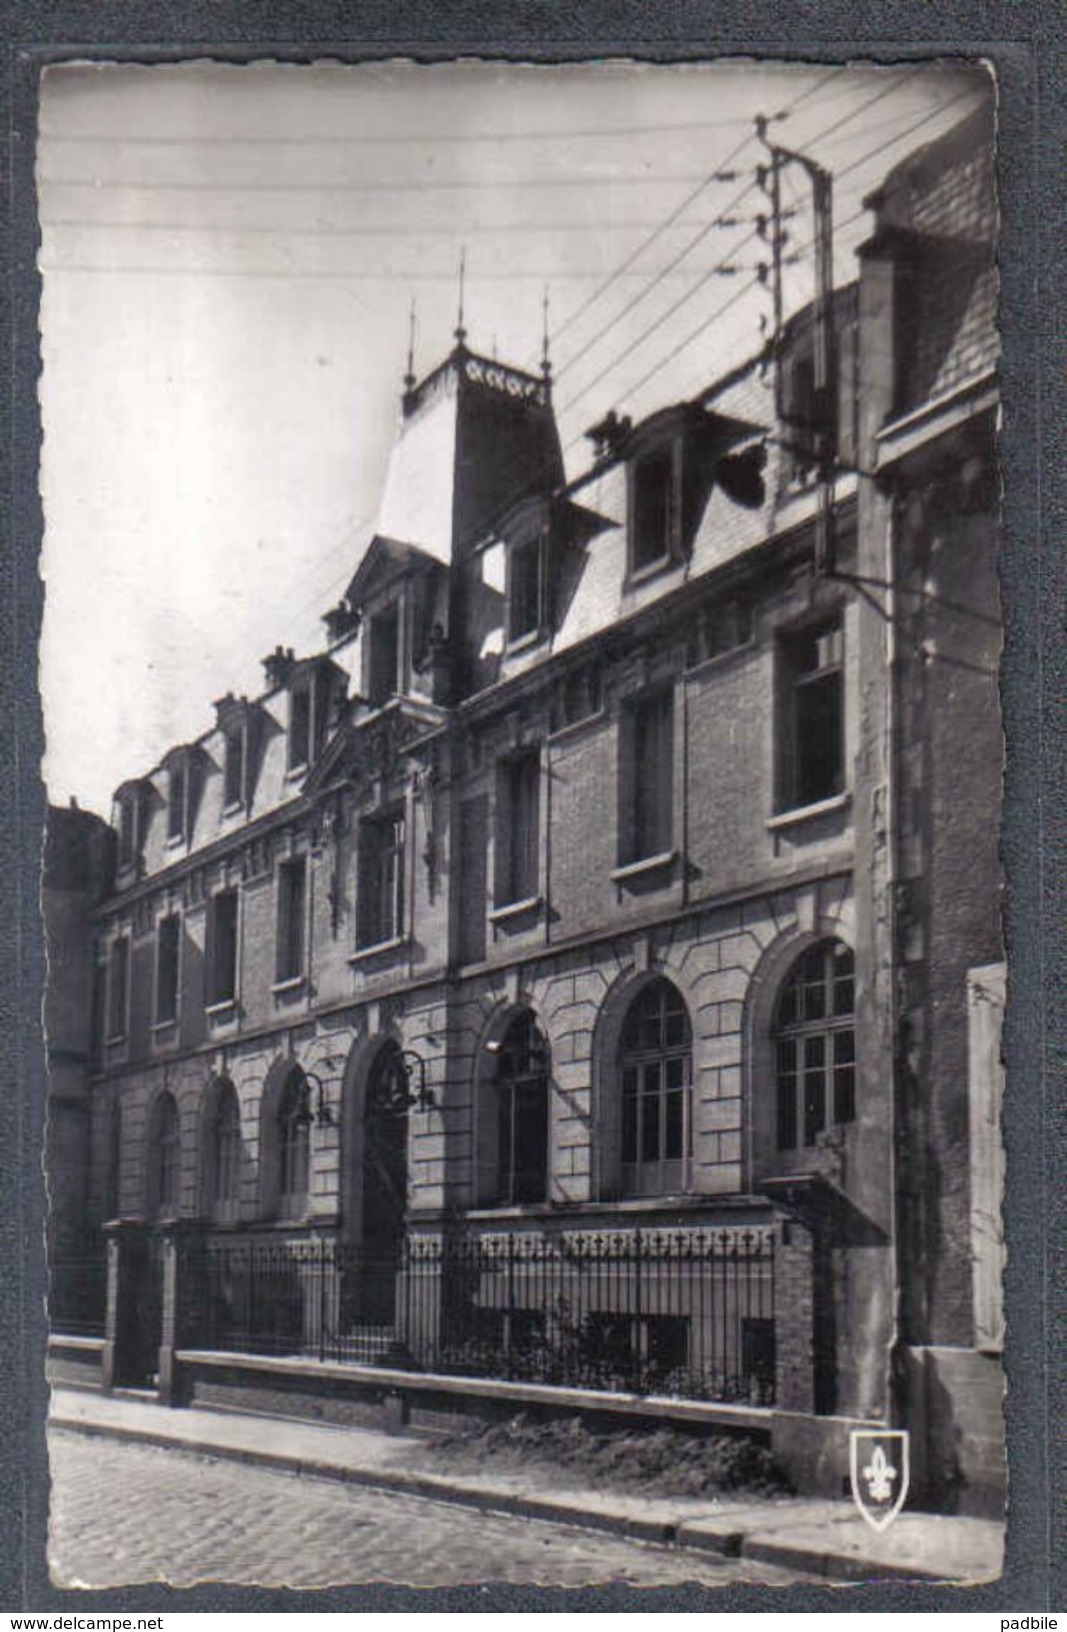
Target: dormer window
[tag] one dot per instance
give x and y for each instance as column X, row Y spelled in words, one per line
column 383, row 663
column 526, row 589
column 130, row 811
column 309, row 703
column 176, row 802
column 234, row 767
column 240, row 725
column 181, row 766
column 299, row 727
column 654, row 508
column 127, row 831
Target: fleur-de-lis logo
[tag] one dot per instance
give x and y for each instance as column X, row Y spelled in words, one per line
column 879, row 1475
column 879, row 1470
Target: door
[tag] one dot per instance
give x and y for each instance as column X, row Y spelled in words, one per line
column 385, row 1185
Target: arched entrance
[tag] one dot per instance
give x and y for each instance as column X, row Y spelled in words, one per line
column 383, row 1206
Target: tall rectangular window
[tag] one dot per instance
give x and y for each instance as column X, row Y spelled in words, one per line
column 519, row 828
column 292, row 902
column 167, row 954
column 649, row 769
column 128, row 834
column 299, row 727
column 383, row 679
column 176, row 802
column 234, row 768
column 812, row 749
column 653, row 508
column 380, row 889
column 524, row 589
column 221, row 964
column 118, row 987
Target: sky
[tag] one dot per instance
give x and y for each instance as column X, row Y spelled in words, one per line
column 229, row 258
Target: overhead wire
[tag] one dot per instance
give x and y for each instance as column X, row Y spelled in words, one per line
column 739, row 293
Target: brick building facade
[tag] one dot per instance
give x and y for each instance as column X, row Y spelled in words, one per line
column 603, row 927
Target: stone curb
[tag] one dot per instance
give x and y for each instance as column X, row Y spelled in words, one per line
column 728, row 1543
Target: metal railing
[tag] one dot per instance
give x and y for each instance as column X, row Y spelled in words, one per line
column 687, row 1312
column 77, row 1293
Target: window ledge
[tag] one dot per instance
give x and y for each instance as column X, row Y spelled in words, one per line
column 651, row 569
column 363, row 953
column 807, row 813
column 225, row 1009
column 235, row 808
column 160, row 1026
column 295, row 772
column 523, row 643
column 114, row 1040
column 291, row 983
column 174, row 841
column 516, row 909
column 644, row 867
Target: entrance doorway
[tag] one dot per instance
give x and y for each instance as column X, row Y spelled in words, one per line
column 385, row 1184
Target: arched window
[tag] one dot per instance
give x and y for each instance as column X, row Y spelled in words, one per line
column 522, row 1113
column 655, row 1058
column 225, row 1151
column 294, row 1124
column 165, row 1152
column 815, row 1045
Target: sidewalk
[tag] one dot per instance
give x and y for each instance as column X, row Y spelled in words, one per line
column 809, row 1534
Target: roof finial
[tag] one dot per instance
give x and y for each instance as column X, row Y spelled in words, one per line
column 546, row 361
column 461, row 333
column 409, row 377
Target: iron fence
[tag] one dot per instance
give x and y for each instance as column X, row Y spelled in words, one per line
column 688, row 1313
column 77, row 1293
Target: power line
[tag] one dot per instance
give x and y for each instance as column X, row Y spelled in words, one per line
column 680, row 210
column 707, row 322
column 504, row 228
column 853, row 114
column 492, row 138
column 345, row 189
column 655, row 281
column 335, row 275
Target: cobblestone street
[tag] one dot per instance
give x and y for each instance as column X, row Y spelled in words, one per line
column 125, row 1514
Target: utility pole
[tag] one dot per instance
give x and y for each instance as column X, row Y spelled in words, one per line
column 823, row 424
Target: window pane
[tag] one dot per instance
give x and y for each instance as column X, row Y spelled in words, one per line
column 380, row 903
column 224, row 947
column 653, row 776
column 844, row 1047
column 814, row 1088
column 292, row 894
column 176, row 809
column 299, row 727
column 383, row 676
column 524, row 606
column 819, row 745
column 167, row 970
column 234, row 769
column 651, row 521
column 522, row 1113
column 815, row 999
column 649, row 1127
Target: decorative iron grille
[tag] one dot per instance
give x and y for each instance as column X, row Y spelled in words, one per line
column 687, row 1313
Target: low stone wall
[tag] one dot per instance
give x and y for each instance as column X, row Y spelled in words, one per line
column 74, row 1362
column 382, row 1397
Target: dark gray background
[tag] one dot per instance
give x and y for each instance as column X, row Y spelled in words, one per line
column 1025, row 41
